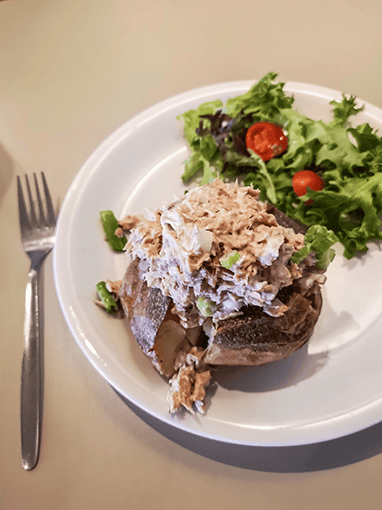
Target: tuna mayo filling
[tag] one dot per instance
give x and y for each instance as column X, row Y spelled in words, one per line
column 216, row 250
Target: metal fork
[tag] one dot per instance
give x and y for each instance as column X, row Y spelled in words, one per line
column 38, row 238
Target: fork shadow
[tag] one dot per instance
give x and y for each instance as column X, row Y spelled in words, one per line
column 335, row 453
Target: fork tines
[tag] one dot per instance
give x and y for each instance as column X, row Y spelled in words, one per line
column 28, row 222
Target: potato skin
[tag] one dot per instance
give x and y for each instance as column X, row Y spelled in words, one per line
column 255, row 338
column 252, row 338
column 156, row 329
column 145, row 307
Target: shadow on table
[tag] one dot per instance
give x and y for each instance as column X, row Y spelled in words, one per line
column 6, row 171
column 284, row 459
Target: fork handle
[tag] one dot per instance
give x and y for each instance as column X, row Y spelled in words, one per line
column 32, row 373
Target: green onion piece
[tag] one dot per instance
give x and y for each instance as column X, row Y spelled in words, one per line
column 106, row 297
column 110, row 225
column 205, row 306
column 318, row 239
column 229, row 259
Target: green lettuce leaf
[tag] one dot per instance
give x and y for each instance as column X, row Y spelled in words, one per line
column 265, row 99
column 343, row 110
column 191, row 120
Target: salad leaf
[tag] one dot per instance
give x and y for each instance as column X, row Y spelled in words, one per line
column 343, row 110
column 349, row 160
column 192, row 120
column 265, row 99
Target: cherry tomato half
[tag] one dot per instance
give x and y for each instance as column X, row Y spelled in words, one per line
column 266, row 139
column 306, row 179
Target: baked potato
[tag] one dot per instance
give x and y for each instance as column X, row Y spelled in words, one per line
column 270, row 305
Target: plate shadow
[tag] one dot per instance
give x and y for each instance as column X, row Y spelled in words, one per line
column 271, row 376
column 273, row 459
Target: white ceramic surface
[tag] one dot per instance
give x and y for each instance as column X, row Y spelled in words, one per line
column 331, row 388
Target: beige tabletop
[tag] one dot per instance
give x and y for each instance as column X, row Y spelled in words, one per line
column 71, row 72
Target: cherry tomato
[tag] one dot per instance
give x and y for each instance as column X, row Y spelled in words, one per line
column 306, row 179
column 266, row 139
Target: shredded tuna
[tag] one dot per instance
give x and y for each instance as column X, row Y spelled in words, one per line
column 129, row 222
column 188, row 385
column 119, row 232
column 114, row 286
column 185, row 242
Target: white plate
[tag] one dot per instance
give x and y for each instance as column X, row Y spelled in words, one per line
column 331, row 389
